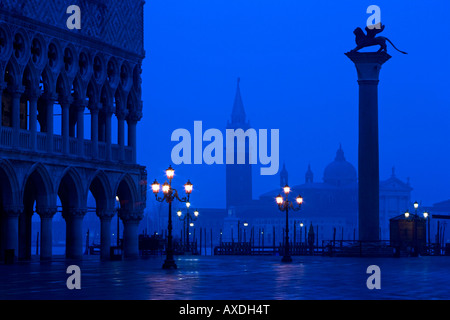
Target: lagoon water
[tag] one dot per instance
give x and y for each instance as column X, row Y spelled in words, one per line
column 229, row 278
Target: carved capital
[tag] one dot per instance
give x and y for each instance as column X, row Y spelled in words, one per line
column 106, row 214
column 95, row 107
column 121, row 114
column 17, row 91
column 50, row 97
column 46, row 213
column 134, row 116
column 66, row 101
column 74, row 213
column 127, row 215
column 33, row 94
column 12, row 211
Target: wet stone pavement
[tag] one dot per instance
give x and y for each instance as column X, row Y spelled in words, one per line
column 229, row 278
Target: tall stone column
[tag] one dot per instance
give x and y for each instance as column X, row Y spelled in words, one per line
column 74, row 235
column 105, row 233
column 11, row 226
column 16, row 94
column 94, row 108
column 65, row 126
column 130, row 219
column 25, row 233
column 80, row 128
column 121, row 115
column 368, row 66
column 50, row 101
column 3, row 85
column 132, row 121
column 46, row 215
column 108, row 115
column 33, row 98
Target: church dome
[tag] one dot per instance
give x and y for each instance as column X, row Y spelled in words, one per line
column 340, row 172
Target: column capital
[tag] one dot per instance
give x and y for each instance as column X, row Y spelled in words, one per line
column 368, row 64
column 12, row 211
column 80, row 104
column 66, row 100
column 17, row 90
column 50, row 96
column 134, row 116
column 121, row 114
column 33, row 93
column 45, row 212
column 106, row 213
column 74, row 213
column 95, row 107
column 131, row 215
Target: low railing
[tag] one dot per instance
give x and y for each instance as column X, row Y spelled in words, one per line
column 57, row 143
column 6, row 136
column 73, row 145
column 25, row 139
column 40, row 143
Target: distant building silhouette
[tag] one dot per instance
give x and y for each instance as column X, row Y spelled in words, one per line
column 328, row 204
column 238, row 176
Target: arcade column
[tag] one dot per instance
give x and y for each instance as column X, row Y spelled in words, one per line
column 368, row 66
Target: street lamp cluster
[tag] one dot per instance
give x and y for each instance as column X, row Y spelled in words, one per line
column 416, row 206
column 188, row 221
column 284, row 204
column 169, row 195
column 415, row 218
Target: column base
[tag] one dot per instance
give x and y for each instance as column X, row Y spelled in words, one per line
column 169, row 263
column 286, row 259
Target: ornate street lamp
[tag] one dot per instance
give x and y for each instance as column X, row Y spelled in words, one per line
column 245, row 227
column 284, row 204
column 186, row 224
column 415, row 219
column 169, row 195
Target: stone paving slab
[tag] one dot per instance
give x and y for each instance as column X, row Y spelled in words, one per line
column 228, row 278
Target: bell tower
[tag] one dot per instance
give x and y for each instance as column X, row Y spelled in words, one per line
column 238, row 176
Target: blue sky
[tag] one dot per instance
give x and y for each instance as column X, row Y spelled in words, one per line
column 295, row 77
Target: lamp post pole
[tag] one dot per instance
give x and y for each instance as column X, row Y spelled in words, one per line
column 283, row 205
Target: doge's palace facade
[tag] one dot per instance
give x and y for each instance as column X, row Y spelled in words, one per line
column 53, row 78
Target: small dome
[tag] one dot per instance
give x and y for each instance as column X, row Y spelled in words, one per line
column 340, row 172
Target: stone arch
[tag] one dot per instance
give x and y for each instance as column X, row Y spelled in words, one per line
column 126, row 76
column 84, row 65
column 70, row 189
column 126, row 192
column 30, row 79
column 9, row 193
column 49, row 80
column 37, row 197
column 63, row 86
column 79, row 89
column 13, row 74
column 92, row 92
column 112, row 73
column 9, row 185
column 101, row 190
column 99, row 69
column 39, row 183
